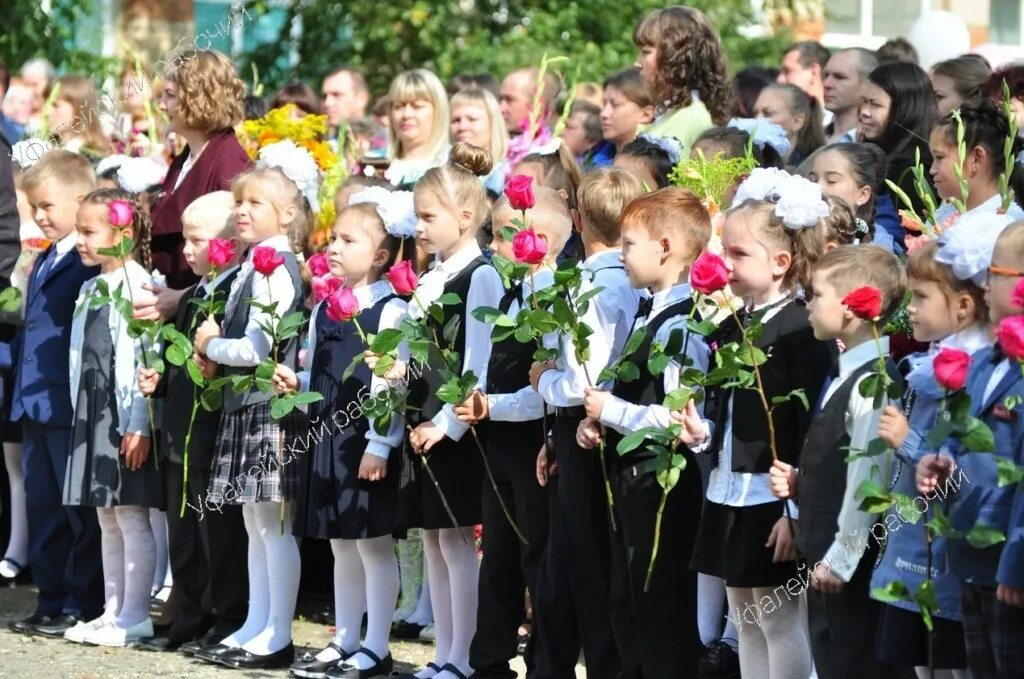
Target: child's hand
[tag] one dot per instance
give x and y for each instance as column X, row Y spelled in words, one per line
column 588, row 434
column 207, row 368
column 695, row 431
column 933, row 470
column 1011, row 596
column 474, row 408
column 594, row 401
column 148, row 379
column 373, row 467
column 537, row 369
column 824, row 580
column 285, row 380
column 782, row 478
column 135, row 448
column 206, row 332
column 781, row 539
column 424, row 437
column 397, row 371
column 893, row 426
column 545, row 469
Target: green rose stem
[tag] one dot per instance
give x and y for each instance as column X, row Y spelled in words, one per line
column 437, row 487
column 540, row 345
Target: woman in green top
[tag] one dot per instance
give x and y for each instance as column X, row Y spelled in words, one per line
column 682, row 60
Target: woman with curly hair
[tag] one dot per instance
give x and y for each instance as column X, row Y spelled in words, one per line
column 684, row 65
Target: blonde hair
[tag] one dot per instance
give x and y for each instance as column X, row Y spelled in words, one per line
column 804, row 245
column 64, row 167
column 457, row 182
column 922, row 266
column 210, row 95
column 272, row 184
column 559, row 171
column 78, row 91
column 141, row 225
column 421, row 84
column 601, row 198
column 474, row 95
column 849, row 267
column 213, row 212
column 549, row 214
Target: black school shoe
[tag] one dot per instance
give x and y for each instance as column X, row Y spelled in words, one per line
column 412, row 675
column 240, row 659
column 28, row 625
column 309, row 667
column 719, row 661
column 56, row 627
column 212, row 654
column 406, row 631
column 190, row 648
column 380, row 668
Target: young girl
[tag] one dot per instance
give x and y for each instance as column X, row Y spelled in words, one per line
column 744, row 534
column 111, row 467
column 650, row 158
column 959, row 81
column 250, row 465
column 948, row 310
column 450, row 203
column 349, row 485
column 798, row 113
column 74, row 119
column 682, row 61
column 985, row 131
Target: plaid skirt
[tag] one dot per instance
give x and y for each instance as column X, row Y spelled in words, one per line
column 254, row 459
column 993, row 632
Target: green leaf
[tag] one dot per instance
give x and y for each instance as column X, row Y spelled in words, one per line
column 678, row 398
column 977, row 437
column 419, row 350
column 175, row 356
column 436, row 312
column 508, row 233
column 382, row 423
column 386, row 340
column 588, row 295
column 893, row 592
column 675, row 342
column 156, row 362
column 524, row 334
column 627, row 372
column 356, row 361
column 563, row 314
column 657, row 362
column 544, row 354
column 871, row 386
column 982, row 536
column 449, row 298
column 926, row 601
column 290, row 324
column 265, row 370
column 384, row 364
column 752, row 356
column 702, row 328
column 281, row 406
column 939, row 433
column 450, row 333
column 634, row 341
column 195, row 374
column 543, row 321
column 1008, row 472
column 668, row 478
column 211, row 398
column 940, row 526
column 307, row 397
column 451, row 392
column 873, row 497
column 797, row 394
column 491, row 316
column 631, row 442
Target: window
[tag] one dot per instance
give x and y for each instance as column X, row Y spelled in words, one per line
column 241, row 32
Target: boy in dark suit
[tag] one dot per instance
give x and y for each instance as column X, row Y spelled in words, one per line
column 204, row 546
column 64, row 542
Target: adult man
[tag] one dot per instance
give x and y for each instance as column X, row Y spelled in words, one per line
column 802, row 65
column 844, row 75
column 345, row 96
column 517, row 92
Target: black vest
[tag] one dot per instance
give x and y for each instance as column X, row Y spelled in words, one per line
column 234, row 328
column 508, row 371
column 821, row 478
column 179, row 391
column 423, row 389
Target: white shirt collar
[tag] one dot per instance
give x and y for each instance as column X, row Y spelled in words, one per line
column 66, row 244
column 208, row 285
column 368, row 295
column 774, row 300
column 279, row 243
column 603, row 259
column 854, row 358
column 459, row 260
column 970, row 340
column 664, row 298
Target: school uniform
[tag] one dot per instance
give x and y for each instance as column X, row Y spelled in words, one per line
column 740, row 510
column 64, row 542
column 572, row 604
column 204, row 545
column 832, row 530
column 655, row 629
column 333, row 502
column 514, row 433
column 455, row 460
column 993, row 631
column 253, row 462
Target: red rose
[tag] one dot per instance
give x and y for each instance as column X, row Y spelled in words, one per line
column 120, row 213
column 708, row 274
column 529, row 248
column 265, row 259
column 865, row 303
column 318, row 264
column 342, row 305
column 325, row 286
column 402, row 278
column 519, row 191
column 1018, row 294
column 951, row 368
column 1010, row 335
column 220, row 252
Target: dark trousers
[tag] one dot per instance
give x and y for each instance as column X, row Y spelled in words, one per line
column 63, row 542
column 994, row 633
column 572, row 603
column 656, row 629
column 509, row 567
column 207, row 545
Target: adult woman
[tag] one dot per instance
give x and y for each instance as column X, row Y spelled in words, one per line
column 798, row 114
column 958, row 81
column 298, row 93
column 74, row 121
column 419, row 126
column 476, row 119
column 202, row 99
column 627, row 106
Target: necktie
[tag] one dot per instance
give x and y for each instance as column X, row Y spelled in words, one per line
column 832, row 376
column 644, row 308
column 998, row 355
column 44, row 268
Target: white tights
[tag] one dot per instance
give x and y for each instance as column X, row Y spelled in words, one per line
column 453, row 570
column 17, row 546
column 129, row 559
column 777, row 645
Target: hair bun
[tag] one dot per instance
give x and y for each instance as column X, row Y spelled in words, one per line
column 471, row 158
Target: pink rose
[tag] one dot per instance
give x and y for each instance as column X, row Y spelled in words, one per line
column 865, row 303
column 220, row 253
column 519, row 191
column 1010, row 335
column 708, row 274
column 120, row 213
column 529, row 248
column 324, row 287
column 265, row 259
column 1018, row 294
column 951, row 368
column 342, row 305
column 402, row 278
column 318, row 264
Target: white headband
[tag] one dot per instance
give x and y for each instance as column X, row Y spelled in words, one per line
column 798, row 201
column 297, row 164
column 763, row 131
column 967, row 247
column 395, row 209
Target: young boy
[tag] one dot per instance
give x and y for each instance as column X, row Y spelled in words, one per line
column 992, row 578
column 571, row 607
column 834, row 532
column 64, row 542
column 655, row 628
column 204, row 546
column 513, row 413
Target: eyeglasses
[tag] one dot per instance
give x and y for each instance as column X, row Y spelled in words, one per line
column 1003, row 271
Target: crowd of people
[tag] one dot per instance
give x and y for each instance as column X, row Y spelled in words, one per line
column 555, row 368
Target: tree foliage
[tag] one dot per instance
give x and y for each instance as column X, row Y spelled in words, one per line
column 30, row 32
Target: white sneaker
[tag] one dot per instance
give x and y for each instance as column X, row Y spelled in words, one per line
column 428, row 633
column 112, row 635
column 77, row 633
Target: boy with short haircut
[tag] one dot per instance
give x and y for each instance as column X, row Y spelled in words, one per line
column 655, row 625
column 992, row 578
column 834, row 533
column 512, row 414
column 64, row 542
column 204, row 546
column 572, row 603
